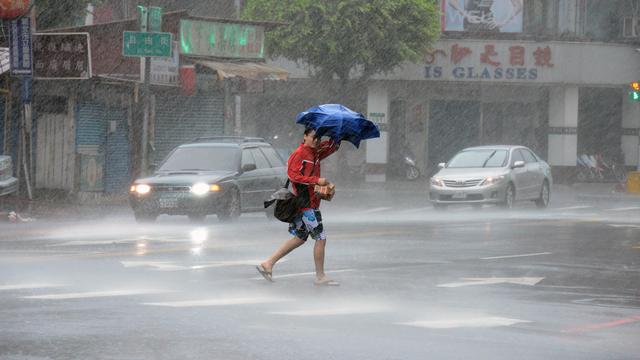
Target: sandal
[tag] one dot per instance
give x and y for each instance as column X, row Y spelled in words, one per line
column 326, row 282
column 266, row 274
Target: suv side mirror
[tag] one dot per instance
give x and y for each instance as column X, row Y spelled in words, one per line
column 518, row 164
column 248, row 167
column 442, row 165
column 153, row 167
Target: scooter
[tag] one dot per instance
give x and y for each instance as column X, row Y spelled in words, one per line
column 411, row 170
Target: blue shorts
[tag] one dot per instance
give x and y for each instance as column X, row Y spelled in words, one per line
column 308, row 223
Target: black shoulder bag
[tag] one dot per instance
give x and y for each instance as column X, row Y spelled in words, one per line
column 288, row 205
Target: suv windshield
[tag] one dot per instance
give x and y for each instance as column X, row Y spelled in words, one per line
column 210, row 158
column 488, row 158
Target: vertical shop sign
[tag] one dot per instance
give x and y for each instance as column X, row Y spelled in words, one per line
column 20, row 47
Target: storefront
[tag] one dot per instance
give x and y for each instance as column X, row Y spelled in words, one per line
column 559, row 98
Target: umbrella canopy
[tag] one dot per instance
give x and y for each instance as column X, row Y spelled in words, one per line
column 339, row 123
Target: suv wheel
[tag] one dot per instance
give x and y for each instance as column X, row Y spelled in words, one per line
column 231, row 209
column 145, row 217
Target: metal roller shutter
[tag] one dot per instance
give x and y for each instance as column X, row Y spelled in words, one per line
column 180, row 119
column 94, row 139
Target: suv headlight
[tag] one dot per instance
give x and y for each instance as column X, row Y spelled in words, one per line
column 492, row 180
column 141, row 189
column 200, row 188
column 437, row 182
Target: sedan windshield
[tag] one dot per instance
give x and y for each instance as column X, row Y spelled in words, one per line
column 201, row 158
column 488, row 158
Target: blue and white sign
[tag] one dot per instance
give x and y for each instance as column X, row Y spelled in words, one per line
column 20, row 47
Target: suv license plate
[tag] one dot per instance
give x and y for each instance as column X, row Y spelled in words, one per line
column 168, row 202
column 459, row 195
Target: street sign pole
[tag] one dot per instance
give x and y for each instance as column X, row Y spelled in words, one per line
column 146, row 99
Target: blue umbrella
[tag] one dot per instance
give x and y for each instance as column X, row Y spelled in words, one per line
column 339, row 123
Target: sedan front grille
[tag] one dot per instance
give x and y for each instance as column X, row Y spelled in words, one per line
column 462, row 183
column 171, row 188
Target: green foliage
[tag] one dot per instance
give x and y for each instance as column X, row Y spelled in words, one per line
column 338, row 37
column 61, row 13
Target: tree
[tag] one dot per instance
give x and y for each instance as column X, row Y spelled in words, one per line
column 345, row 37
column 56, row 14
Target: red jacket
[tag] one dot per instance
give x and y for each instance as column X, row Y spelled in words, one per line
column 303, row 169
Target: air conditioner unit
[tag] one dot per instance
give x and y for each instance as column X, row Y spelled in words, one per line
column 631, row 27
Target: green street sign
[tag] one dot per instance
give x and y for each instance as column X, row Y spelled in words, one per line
column 155, row 19
column 142, row 18
column 141, row 44
column 150, row 19
column 229, row 40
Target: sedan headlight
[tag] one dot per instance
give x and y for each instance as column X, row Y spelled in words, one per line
column 492, row 180
column 436, row 182
column 141, row 189
column 200, row 189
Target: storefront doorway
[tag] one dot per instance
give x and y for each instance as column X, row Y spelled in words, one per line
column 453, row 125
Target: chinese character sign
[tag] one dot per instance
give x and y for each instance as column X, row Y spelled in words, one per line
column 499, row 61
column 482, row 15
column 62, row 56
column 206, row 38
column 20, row 49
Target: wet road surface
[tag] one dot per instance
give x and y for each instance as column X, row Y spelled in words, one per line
column 561, row 283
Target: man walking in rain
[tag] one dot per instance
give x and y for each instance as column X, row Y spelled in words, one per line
column 303, row 170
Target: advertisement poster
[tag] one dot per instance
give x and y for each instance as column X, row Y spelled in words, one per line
column 482, row 15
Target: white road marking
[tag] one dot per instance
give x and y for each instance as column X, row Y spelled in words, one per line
column 328, row 311
column 480, row 322
column 416, row 210
column 514, row 256
column 375, row 210
column 625, row 226
column 172, row 266
column 530, row 281
column 94, row 294
column 304, row 274
column 27, row 286
column 632, row 208
column 219, row 302
column 156, row 265
column 573, row 208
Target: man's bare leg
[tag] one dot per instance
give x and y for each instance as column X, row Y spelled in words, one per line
column 318, row 257
column 281, row 252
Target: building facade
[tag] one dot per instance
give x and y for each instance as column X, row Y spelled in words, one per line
column 551, row 75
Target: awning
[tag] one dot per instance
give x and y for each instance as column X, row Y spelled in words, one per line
column 246, row 70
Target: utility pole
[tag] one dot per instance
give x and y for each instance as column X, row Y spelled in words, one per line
column 146, row 100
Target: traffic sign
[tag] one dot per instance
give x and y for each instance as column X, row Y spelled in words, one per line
column 21, row 53
column 155, row 19
column 141, row 44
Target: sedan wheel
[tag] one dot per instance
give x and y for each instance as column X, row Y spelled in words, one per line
column 440, row 206
column 231, row 210
column 197, row 218
column 509, row 197
column 545, row 195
